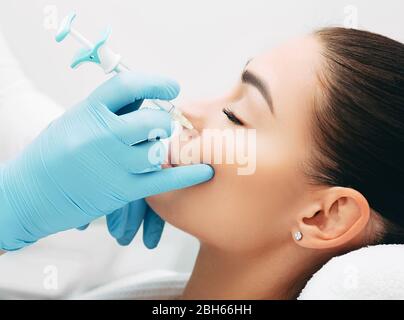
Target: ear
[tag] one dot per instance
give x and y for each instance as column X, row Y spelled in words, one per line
column 339, row 215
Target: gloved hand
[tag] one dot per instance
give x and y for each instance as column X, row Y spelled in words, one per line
column 91, row 162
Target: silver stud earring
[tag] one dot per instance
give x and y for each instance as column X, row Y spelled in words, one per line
column 298, row 236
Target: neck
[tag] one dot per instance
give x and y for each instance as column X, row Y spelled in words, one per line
column 276, row 274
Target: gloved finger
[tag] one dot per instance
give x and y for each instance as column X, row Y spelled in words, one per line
column 142, row 125
column 127, row 87
column 132, row 226
column 153, row 227
column 128, row 217
column 147, row 157
column 83, row 227
column 129, row 108
column 140, row 158
column 127, row 238
column 116, row 222
column 171, row 179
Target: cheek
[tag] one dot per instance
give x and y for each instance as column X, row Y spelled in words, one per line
column 235, row 212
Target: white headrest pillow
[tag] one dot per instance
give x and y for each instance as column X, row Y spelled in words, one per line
column 372, row 273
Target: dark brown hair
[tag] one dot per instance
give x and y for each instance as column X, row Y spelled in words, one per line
column 359, row 121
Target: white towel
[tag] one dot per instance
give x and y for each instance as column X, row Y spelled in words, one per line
column 372, row 273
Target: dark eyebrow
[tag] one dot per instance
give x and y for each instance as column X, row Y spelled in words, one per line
column 250, row 78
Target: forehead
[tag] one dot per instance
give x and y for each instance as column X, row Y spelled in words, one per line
column 290, row 72
column 295, row 62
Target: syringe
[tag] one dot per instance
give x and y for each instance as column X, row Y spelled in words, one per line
column 99, row 53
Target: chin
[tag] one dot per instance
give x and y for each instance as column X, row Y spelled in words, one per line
column 161, row 204
column 170, row 206
column 180, row 208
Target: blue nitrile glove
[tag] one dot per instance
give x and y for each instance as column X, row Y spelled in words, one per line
column 90, row 162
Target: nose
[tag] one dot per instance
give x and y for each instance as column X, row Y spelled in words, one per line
column 194, row 112
column 200, row 113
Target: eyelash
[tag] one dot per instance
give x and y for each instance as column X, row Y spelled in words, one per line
column 232, row 117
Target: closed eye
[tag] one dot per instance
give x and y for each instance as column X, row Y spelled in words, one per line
column 232, row 117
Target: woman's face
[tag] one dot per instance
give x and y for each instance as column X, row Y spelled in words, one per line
column 252, row 211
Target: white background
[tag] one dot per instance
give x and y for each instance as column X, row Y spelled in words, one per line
column 203, row 44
